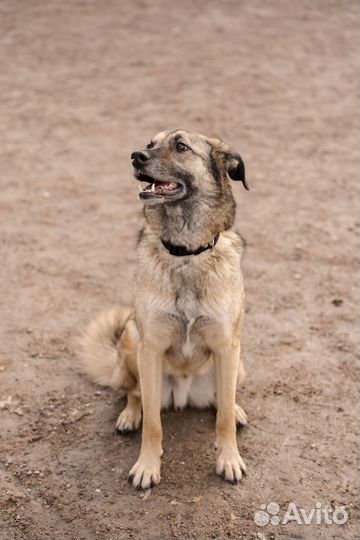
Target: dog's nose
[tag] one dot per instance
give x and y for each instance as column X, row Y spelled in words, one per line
column 140, row 157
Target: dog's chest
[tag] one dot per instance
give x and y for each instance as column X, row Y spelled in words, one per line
column 189, row 336
column 189, row 320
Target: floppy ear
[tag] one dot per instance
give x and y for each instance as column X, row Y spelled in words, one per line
column 236, row 169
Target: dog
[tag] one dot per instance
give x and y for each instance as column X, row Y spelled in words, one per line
column 180, row 343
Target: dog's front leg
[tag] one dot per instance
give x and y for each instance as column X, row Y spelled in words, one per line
column 229, row 463
column 146, row 471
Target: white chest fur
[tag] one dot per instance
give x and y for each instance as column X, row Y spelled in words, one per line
column 188, row 346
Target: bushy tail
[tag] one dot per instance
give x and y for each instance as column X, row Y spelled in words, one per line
column 98, row 342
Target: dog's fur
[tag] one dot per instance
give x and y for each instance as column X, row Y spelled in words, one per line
column 180, row 344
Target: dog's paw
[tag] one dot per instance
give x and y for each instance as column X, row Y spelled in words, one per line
column 230, row 465
column 240, row 416
column 145, row 473
column 129, row 420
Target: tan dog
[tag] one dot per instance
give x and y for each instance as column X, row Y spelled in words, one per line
column 180, row 344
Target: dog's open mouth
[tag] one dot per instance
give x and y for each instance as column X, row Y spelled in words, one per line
column 156, row 189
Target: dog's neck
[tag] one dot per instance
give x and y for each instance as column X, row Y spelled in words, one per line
column 189, row 224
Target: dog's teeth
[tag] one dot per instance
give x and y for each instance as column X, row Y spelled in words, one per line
column 140, row 188
column 153, row 187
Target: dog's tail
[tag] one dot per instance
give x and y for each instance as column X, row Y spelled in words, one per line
column 99, row 346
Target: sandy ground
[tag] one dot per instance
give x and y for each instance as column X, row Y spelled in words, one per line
column 84, row 83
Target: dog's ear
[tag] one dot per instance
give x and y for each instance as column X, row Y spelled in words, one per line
column 236, row 168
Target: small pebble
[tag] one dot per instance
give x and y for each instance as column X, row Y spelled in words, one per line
column 4, row 403
column 146, row 495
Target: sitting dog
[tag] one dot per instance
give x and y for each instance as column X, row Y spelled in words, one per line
column 180, row 343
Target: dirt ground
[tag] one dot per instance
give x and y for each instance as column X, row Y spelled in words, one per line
column 83, row 84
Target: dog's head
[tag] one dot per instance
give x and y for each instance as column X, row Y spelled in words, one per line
column 179, row 165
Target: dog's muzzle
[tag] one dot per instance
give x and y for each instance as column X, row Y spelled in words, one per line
column 157, row 189
column 139, row 158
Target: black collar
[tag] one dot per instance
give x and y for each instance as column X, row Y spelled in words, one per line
column 181, row 251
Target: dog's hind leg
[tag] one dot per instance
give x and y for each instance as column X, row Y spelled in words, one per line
column 130, row 417
column 240, row 414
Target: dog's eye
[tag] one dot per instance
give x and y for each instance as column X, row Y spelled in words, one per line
column 181, row 147
column 150, row 145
